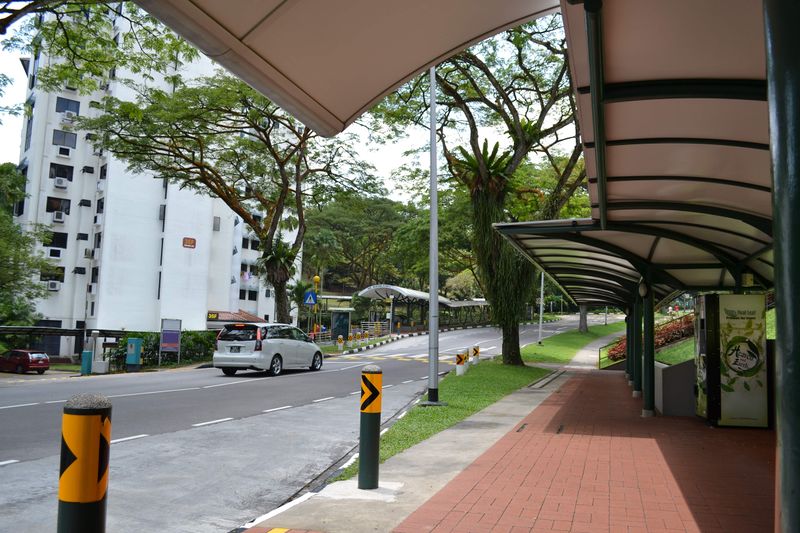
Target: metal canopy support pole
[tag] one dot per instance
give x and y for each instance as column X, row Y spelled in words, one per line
column 648, row 356
column 433, row 303
column 637, row 347
column 783, row 81
column 541, row 307
column 629, row 346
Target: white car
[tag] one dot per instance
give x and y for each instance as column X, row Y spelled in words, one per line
column 270, row 347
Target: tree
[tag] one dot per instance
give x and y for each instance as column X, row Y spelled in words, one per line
column 515, row 85
column 217, row 136
column 20, row 263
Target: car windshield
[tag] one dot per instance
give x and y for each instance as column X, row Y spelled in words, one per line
column 239, row 332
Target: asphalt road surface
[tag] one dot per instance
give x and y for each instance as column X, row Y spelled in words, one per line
column 194, row 450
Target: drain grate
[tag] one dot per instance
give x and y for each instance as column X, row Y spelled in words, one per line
column 523, row 426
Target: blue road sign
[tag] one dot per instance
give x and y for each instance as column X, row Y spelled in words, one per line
column 310, row 298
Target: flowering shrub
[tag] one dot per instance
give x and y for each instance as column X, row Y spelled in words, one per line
column 666, row 333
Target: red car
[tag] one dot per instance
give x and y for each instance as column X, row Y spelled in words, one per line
column 21, row 361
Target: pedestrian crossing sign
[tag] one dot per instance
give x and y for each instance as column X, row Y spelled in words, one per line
column 310, row 298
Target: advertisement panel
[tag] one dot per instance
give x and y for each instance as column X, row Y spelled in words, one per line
column 743, row 360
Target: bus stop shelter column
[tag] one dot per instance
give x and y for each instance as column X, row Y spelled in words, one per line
column 636, row 336
column 648, row 352
column 783, row 90
column 629, row 346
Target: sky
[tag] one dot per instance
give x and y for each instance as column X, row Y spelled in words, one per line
column 11, row 127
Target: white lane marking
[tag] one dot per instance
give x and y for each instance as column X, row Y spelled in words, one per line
column 404, row 413
column 19, row 405
column 383, row 431
column 388, row 386
column 151, row 392
column 211, row 422
column 490, row 347
column 407, row 381
column 129, row 438
column 277, row 409
column 356, row 392
column 232, row 383
column 419, row 356
column 424, row 377
column 9, row 462
column 323, row 399
column 350, row 461
column 56, row 401
column 279, row 510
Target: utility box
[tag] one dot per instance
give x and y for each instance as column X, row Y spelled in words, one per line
column 86, row 362
column 133, row 355
column 732, row 383
column 340, row 322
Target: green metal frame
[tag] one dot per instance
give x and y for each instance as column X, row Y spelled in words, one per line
column 707, row 88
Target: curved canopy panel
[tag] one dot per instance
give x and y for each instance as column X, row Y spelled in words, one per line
column 327, row 62
column 400, row 294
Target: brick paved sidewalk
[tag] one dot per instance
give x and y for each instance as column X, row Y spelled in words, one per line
column 585, row 461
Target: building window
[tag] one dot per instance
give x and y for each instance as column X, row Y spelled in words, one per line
column 56, row 274
column 103, row 172
column 95, row 274
column 57, row 204
column 158, row 295
column 91, row 309
column 65, row 138
column 245, row 244
column 161, row 253
column 65, row 104
column 61, row 171
column 83, row 236
column 242, row 294
column 266, row 318
column 252, row 296
column 19, row 208
column 267, row 293
column 28, row 131
column 58, row 240
column 101, row 202
column 217, row 222
column 254, row 244
column 98, row 238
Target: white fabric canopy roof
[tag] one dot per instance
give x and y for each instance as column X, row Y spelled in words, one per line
column 328, row 61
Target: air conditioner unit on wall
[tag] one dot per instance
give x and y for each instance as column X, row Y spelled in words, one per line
column 60, row 183
column 59, row 217
column 88, row 253
column 53, row 285
column 68, row 116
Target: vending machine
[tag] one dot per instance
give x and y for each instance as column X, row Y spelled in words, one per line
column 732, row 387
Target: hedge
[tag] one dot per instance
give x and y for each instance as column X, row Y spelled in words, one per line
column 196, row 346
column 665, row 334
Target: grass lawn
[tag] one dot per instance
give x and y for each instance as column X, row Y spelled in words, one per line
column 562, row 348
column 65, row 367
column 465, row 395
column 677, row 352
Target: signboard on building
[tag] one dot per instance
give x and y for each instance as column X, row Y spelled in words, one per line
column 189, row 242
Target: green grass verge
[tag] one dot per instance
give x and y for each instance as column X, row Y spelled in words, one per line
column 677, row 352
column 562, row 348
column 465, row 395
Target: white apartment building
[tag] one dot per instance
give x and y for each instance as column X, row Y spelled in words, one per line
column 131, row 249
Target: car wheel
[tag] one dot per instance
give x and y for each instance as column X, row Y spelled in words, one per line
column 316, row 363
column 40, row 372
column 20, row 370
column 229, row 371
column 275, row 366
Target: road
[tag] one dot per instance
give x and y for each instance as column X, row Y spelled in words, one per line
column 193, row 450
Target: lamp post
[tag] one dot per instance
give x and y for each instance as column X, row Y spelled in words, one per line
column 316, row 279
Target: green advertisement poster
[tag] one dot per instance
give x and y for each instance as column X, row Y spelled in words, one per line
column 743, row 364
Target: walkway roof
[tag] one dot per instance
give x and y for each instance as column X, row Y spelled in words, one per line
column 403, row 295
column 672, row 104
column 327, row 62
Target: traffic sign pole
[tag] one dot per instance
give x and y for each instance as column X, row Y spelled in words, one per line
column 369, row 437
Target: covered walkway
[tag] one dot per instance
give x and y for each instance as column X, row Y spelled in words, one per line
column 584, row 461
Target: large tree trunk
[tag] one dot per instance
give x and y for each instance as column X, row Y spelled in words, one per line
column 583, row 325
column 511, row 353
column 282, row 313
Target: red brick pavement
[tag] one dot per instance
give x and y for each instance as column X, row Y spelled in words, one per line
column 585, row 461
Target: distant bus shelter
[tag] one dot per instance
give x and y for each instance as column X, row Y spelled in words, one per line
column 416, row 306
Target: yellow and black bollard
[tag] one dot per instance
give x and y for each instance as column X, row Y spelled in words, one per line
column 370, row 439
column 476, row 355
column 461, row 367
column 83, row 476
